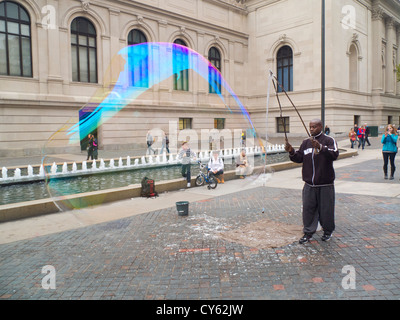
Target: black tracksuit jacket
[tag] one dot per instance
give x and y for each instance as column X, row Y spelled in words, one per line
column 317, row 167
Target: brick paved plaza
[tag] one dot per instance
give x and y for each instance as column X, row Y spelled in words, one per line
column 160, row 255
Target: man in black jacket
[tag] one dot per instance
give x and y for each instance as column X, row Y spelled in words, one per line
column 317, row 154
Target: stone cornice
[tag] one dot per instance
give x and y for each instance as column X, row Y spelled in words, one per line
column 238, row 5
column 154, row 13
column 387, row 11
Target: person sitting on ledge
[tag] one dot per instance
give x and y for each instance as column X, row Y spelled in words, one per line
column 243, row 167
column 216, row 167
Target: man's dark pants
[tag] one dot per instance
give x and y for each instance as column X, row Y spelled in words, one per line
column 318, row 205
column 186, row 172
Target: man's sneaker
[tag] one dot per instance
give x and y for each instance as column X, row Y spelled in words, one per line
column 326, row 237
column 188, row 185
column 306, row 238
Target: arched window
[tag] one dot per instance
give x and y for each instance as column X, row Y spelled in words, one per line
column 214, row 78
column 285, row 68
column 15, row 40
column 139, row 62
column 353, row 68
column 136, row 36
column 181, row 64
column 83, row 51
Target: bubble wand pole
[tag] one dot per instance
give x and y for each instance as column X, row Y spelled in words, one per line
column 266, row 133
column 280, row 112
column 266, row 117
column 283, row 89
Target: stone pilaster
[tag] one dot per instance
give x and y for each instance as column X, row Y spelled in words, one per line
column 390, row 56
column 379, row 49
column 398, row 57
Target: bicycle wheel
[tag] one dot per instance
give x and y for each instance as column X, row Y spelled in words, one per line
column 199, row 180
column 212, row 182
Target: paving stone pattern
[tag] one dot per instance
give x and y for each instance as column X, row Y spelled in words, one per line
column 367, row 171
column 160, row 255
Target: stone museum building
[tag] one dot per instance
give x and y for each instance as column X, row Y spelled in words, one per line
column 56, row 56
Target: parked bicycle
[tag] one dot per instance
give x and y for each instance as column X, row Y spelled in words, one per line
column 206, row 178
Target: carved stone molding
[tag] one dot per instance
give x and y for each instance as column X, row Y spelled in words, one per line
column 383, row 54
column 114, row 12
column 163, row 23
column 377, row 13
column 390, row 23
column 355, row 41
column 239, row 4
column 85, row 5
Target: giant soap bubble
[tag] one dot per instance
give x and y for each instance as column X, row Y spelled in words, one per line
column 151, row 89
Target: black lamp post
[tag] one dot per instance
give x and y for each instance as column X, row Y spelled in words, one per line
column 323, row 65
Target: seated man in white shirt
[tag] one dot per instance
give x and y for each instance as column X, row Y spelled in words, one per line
column 216, row 167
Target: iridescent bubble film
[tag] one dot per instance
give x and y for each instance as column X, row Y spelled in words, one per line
column 141, row 70
column 148, row 64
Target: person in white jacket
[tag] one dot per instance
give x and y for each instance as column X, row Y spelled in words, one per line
column 216, row 167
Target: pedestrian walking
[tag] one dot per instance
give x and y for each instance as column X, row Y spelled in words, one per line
column 352, row 136
column 389, row 150
column 327, row 130
column 94, row 148
column 165, row 143
column 90, row 147
column 367, row 134
column 243, row 139
column 149, row 141
column 317, row 154
column 185, row 156
column 361, row 137
column 356, row 130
